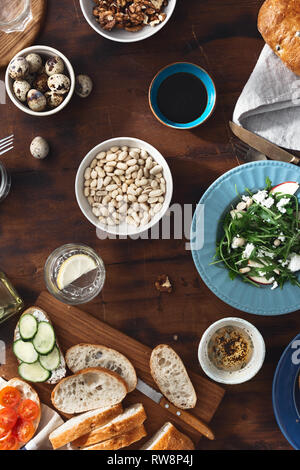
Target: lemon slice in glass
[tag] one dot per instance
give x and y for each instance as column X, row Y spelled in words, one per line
column 73, row 268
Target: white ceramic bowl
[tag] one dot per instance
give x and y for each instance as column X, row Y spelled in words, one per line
column 121, row 35
column 242, row 375
column 122, row 229
column 45, row 52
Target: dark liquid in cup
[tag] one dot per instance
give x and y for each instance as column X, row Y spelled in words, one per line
column 182, row 97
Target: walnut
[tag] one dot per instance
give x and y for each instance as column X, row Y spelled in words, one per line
column 163, row 284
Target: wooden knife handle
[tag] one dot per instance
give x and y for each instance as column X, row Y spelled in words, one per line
column 188, row 418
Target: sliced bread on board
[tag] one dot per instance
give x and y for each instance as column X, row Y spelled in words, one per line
column 169, row 438
column 131, row 418
column 171, row 377
column 82, row 424
column 83, row 355
column 87, row 390
column 119, row 442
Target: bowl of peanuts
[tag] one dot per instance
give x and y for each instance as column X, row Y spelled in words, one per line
column 124, row 186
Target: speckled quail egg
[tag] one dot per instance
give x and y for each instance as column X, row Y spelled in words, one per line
column 41, row 82
column 39, row 148
column 18, row 68
column 36, row 100
column 53, row 99
column 54, row 65
column 83, row 86
column 34, row 61
column 59, row 83
column 21, row 88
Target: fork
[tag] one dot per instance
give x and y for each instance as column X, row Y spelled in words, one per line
column 246, row 153
column 6, row 144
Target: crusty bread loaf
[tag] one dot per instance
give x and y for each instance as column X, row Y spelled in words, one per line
column 169, row 438
column 82, row 356
column 87, row 390
column 279, row 24
column 171, row 377
column 131, row 418
column 119, row 442
column 82, row 424
column 60, row 372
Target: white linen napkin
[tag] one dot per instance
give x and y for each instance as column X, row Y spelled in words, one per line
column 270, row 102
column 50, row 420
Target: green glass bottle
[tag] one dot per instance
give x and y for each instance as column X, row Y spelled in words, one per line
column 10, row 301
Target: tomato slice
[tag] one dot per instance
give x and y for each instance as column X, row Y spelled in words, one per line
column 23, row 430
column 10, row 396
column 10, row 442
column 28, row 409
column 8, row 419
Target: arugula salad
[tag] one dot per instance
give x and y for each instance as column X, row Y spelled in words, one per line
column 261, row 239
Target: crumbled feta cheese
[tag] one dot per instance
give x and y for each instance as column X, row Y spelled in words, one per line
column 283, row 202
column 294, row 263
column 262, row 253
column 284, row 263
column 260, row 196
column 281, row 237
column 275, row 285
column 237, row 242
column 268, row 202
column 248, row 250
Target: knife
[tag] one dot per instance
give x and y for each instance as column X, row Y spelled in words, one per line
column 188, row 418
column 262, row 145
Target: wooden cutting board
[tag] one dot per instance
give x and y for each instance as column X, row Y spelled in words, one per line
column 74, row 326
column 12, row 43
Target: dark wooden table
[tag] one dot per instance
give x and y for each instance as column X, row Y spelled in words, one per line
column 41, row 212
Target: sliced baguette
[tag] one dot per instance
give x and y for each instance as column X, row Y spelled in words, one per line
column 171, row 377
column 87, row 390
column 121, row 441
column 27, row 392
column 83, row 355
column 60, row 372
column 131, row 418
column 169, row 438
column 82, row 424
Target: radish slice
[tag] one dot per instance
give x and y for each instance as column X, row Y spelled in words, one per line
column 289, row 187
column 261, row 280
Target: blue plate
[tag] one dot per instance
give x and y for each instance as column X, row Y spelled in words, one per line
column 286, row 395
column 217, row 200
column 183, row 67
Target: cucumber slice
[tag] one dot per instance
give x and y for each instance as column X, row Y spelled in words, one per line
column 52, row 360
column 34, row 372
column 44, row 340
column 28, row 326
column 25, row 351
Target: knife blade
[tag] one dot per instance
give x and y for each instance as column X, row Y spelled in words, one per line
column 262, row 145
column 188, row 418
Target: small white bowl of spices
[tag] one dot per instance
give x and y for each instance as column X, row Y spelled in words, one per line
column 231, row 351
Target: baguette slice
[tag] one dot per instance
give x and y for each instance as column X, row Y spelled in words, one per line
column 83, row 355
column 27, row 392
column 171, row 377
column 169, row 438
column 60, row 372
column 87, row 390
column 81, row 424
column 131, row 418
column 121, row 441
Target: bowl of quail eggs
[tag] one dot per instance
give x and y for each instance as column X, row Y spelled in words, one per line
column 40, row 80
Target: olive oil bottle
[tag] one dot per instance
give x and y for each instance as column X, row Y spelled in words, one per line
column 10, row 301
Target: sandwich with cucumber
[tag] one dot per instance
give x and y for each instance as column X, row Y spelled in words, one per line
column 36, row 348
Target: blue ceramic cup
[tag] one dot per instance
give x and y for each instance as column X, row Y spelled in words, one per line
column 182, row 67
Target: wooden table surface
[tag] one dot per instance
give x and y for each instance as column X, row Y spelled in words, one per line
column 41, row 212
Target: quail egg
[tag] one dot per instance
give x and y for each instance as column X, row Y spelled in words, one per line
column 41, row 82
column 53, row 99
column 83, row 86
column 21, row 88
column 54, row 65
column 35, row 62
column 59, row 83
column 36, row 100
column 39, row 148
column 18, row 68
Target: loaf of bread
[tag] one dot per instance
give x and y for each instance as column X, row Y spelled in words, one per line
column 279, row 25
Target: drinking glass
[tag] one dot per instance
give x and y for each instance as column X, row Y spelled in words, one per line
column 14, row 15
column 5, row 181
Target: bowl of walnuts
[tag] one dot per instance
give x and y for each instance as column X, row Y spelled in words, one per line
column 40, row 80
column 127, row 20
